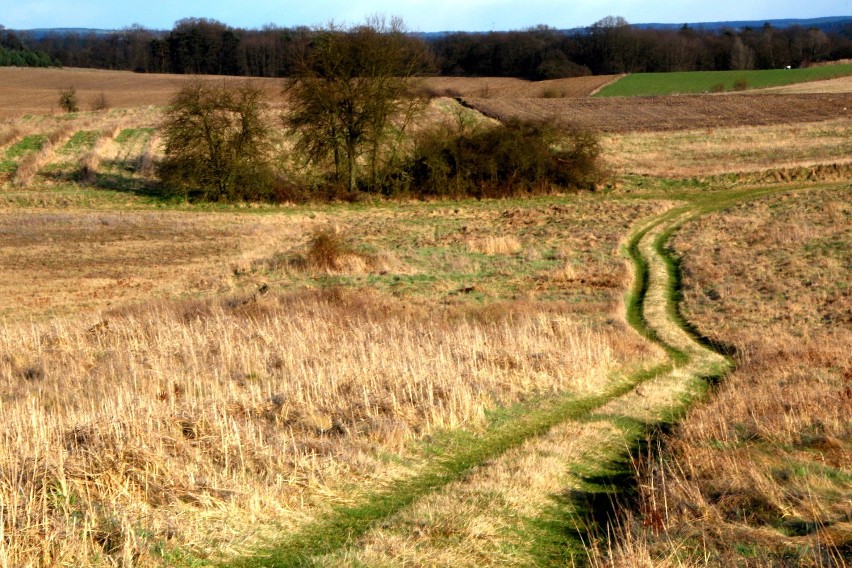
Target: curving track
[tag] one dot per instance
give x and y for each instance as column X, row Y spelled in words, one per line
column 532, row 491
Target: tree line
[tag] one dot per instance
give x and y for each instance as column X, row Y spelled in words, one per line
column 612, row 45
column 13, row 53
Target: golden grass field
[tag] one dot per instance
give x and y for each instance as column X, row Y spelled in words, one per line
column 180, row 382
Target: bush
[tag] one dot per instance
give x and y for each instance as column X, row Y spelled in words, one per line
column 509, row 159
column 217, row 144
column 100, row 102
column 68, row 100
column 741, row 84
column 325, row 249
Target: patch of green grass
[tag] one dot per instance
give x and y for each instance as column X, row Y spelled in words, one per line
column 15, row 152
column 81, row 141
column 28, row 144
column 652, row 84
column 130, row 133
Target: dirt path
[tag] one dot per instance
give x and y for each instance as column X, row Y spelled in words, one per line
column 532, row 491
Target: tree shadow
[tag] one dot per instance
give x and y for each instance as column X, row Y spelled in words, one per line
column 579, row 516
column 119, row 176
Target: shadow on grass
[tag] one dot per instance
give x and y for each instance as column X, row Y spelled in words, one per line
column 606, row 487
column 149, row 189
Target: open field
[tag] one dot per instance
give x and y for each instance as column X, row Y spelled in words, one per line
column 425, row 383
column 764, row 469
column 782, row 149
column 656, row 84
column 841, row 85
column 684, row 112
column 36, row 91
column 507, row 88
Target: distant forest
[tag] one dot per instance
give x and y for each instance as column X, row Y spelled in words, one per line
column 13, row 53
column 203, row 46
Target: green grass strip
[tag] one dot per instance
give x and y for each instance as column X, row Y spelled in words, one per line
column 341, row 527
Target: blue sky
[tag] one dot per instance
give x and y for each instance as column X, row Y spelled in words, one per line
column 419, row 15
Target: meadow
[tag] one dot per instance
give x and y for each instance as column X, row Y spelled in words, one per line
column 655, row 84
column 434, row 383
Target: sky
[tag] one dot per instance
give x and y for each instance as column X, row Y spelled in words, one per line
column 419, row 15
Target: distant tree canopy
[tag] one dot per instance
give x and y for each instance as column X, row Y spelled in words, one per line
column 13, row 52
column 204, row 46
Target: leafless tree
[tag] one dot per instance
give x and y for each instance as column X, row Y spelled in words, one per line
column 353, row 94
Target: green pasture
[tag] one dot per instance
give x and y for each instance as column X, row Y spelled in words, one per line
column 651, row 84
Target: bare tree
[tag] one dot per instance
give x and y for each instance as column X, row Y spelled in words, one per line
column 353, row 94
column 216, row 142
column 742, row 56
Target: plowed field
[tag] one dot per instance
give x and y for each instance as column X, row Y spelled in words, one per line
column 509, row 88
column 630, row 114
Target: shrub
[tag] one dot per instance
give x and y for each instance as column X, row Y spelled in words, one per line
column 741, row 84
column 717, row 88
column 68, row 100
column 326, row 248
column 100, row 102
column 509, row 159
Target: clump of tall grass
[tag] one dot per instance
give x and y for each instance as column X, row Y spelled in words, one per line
column 91, row 161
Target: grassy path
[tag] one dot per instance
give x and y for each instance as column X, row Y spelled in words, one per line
column 529, row 492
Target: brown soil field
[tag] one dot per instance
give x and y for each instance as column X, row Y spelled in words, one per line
column 631, row 114
column 510, row 88
column 36, row 91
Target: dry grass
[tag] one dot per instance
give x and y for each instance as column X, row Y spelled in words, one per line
column 255, row 410
column 839, row 85
column 505, row 244
column 104, row 146
column 763, row 471
column 201, row 423
column 32, row 163
column 56, row 262
column 708, row 152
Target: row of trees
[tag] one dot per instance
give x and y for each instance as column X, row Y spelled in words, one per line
column 614, row 46
column 203, row 46
column 354, row 96
column 13, row 53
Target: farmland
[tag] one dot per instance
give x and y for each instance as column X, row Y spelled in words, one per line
column 428, row 383
column 654, row 84
column 683, row 112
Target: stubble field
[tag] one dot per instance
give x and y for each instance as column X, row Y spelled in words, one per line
column 180, row 384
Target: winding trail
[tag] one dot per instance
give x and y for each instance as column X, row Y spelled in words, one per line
column 533, row 490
